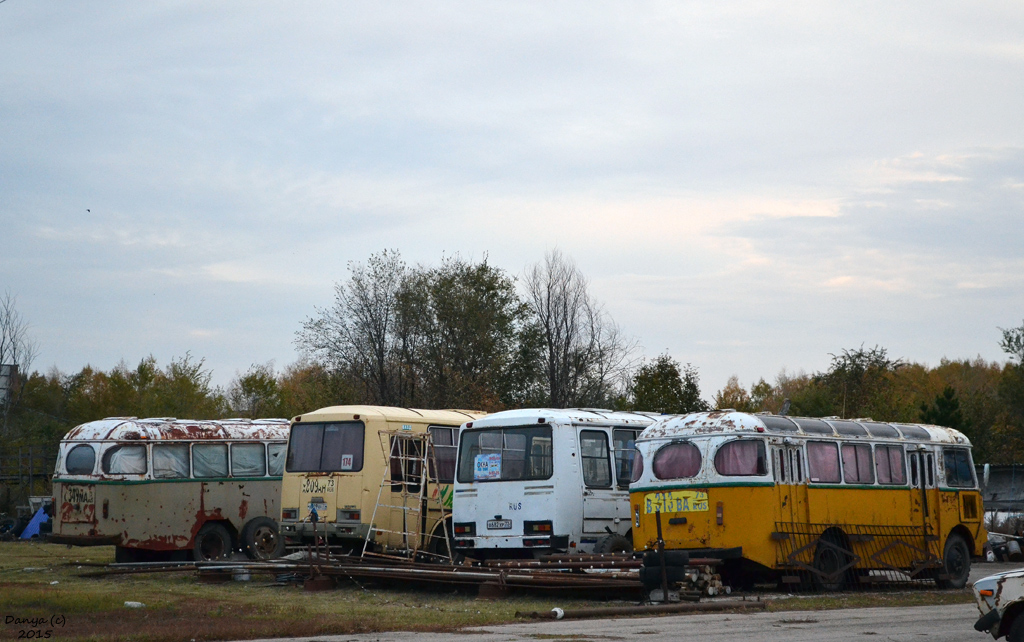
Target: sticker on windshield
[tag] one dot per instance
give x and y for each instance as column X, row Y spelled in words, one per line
column 679, row 501
column 487, row 466
column 346, row 462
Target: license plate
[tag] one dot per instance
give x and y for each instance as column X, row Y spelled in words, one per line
column 321, row 509
column 499, row 524
column 680, row 501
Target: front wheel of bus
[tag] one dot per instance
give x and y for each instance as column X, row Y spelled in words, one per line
column 831, row 563
column 213, row 542
column 261, row 539
column 956, row 563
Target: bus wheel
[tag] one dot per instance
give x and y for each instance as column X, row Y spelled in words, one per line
column 213, row 542
column 261, row 539
column 613, row 544
column 830, row 563
column 956, row 563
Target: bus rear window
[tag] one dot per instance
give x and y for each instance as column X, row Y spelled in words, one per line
column 80, row 460
column 676, row 461
column 333, row 447
column 505, row 454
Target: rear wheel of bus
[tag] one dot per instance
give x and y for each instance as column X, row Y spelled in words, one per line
column 213, row 542
column 261, row 539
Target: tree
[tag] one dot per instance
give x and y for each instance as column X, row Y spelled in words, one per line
column 360, row 333
column 584, row 353
column 17, row 352
column 734, row 396
column 857, row 384
column 1012, row 343
column 472, row 344
column 944, row 411
column 255, row 394
column 663, row 386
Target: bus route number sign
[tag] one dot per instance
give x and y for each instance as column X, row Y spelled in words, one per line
column 677, row 501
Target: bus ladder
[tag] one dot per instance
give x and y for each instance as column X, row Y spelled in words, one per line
column 405, row 494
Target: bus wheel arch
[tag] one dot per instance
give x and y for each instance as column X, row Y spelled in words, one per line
column 832, row 560
column 213, row 541
column 261, row 539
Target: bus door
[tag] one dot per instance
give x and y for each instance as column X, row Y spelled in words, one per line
column 601, row 500
column 923, row 498
column 790, row 473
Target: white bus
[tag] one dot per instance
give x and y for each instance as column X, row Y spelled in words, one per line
column 538, row 481
column 168, row 488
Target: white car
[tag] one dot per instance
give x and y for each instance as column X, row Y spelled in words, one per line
column 1001, row 602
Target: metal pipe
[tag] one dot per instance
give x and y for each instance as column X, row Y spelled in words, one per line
column 702, row 607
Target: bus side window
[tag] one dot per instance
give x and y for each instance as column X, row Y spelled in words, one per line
column 929, row 471
column 125, row 460
column 780, row 465
column 444, row 444
column 799, row 467
column 406, row 461
column 624, row 444
column 597, row 468
column 275, row 457
column 913, row 470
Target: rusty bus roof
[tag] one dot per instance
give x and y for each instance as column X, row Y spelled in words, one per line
column 732, row 422
column 169, row 429
column 596, row 416
column 390, row 413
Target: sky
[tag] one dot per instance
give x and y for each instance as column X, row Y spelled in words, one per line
column 749, row 188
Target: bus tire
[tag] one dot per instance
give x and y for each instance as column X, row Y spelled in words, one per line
column 829, row 557
column 439, row 548
column 213, row 542
column 261, row 539
column 1016, row 632
column 956, row 563
column 613, row 544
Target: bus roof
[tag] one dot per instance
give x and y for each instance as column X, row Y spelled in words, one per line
column 168, row 428
column 596, row 416
column 389, row 413
column 730, row 421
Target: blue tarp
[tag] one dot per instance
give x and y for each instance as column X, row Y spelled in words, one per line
column 32, row 530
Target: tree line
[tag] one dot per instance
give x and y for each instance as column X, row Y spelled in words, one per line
column 466, row 334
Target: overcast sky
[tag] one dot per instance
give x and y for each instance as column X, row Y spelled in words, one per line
column 749, row 187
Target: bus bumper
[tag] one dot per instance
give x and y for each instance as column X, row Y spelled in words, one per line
column 552, row 542
column 715, row 553
column 331, row 530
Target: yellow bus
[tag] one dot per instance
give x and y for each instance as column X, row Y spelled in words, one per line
column 170, row 488
column 336, row 464
column 829, row 502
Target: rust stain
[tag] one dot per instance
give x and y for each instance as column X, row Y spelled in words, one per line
column 243, row 508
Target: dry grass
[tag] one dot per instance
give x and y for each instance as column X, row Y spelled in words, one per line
column 180, row 608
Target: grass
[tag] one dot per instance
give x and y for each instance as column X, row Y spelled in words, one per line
column 40, row 580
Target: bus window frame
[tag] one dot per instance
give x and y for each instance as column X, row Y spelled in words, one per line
column 954, row 450
column 95, row 458
column 839, row 461
column 903, row 459
column 628, row 456
column 323, row 432
column 118, row 445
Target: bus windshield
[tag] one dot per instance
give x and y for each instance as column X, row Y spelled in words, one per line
column 326, row 447
column 505, row 454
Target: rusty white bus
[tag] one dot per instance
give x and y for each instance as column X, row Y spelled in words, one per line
column 538, row 481
column 336, row 467
column 823, row 502
column 171, row 488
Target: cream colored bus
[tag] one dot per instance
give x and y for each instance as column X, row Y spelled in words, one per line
column 336, row 464
column 171, row 488
column 826, row 502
